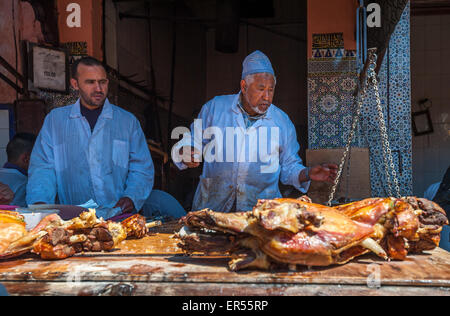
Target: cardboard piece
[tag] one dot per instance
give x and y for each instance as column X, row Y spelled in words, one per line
column 354, row 183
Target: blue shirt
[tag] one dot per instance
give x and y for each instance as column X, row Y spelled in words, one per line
column 91, row 115
column 9, row 165
column 241, row 174
column 17, row 182
column 106, row 164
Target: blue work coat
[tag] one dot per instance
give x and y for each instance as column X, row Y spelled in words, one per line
column 75, row 164
column 240, row 175
column 17, row 182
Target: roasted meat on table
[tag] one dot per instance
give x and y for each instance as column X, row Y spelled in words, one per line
column 12, row 227
column 54, row 238
column 14, row 238
column 401, row 226
column 290, row 232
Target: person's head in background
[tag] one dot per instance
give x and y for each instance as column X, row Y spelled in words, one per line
column 19, row 149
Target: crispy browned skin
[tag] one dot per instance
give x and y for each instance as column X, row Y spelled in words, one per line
column 49, row 252
column 286, row 230
column 12, row 228
column 54, row 238
column 431, row 219
column 292, row 231
column 318, row 241
column 61, row 243
column 135, row 226
column 407, row 225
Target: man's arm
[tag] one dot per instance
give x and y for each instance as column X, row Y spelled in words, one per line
column 141, row 172
column 6, row 195
column 293, row 172
column 41, row 185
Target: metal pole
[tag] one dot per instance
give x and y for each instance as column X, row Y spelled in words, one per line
column 172, row 89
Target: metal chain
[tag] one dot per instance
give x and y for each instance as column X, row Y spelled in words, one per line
column 387, row 153
column 349, row 142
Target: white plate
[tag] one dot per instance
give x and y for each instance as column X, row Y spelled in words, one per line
column 32, row 218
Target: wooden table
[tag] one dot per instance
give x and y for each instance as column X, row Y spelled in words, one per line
column 155, row 266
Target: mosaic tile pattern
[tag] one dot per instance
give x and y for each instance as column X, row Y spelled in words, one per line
column 337, row 66
column 395, row 88
column 331, row 82
column 331, row 111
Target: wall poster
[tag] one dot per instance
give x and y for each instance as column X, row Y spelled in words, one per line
column 50, row 68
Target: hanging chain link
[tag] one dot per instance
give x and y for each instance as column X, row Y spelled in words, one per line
column 387, row 153
column 360, row 98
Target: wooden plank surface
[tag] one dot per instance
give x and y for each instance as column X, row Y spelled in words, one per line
column 428, row 270
column 215, row 289
column 157, row 261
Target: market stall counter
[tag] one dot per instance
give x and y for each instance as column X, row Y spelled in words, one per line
column 155, row 265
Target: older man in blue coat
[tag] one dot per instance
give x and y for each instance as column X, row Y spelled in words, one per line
column 248, row 145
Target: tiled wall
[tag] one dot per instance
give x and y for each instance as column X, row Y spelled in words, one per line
column 395, row 90
column 331, row 107
column 430, row 72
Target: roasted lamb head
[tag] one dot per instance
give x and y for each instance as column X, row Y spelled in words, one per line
column 402, row 226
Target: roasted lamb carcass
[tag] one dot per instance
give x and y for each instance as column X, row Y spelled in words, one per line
column 54, row 238
column 60, row 243
column 298, row 232
column 12, row 227
column 402, row 226
column 14, row 238
column 281, row 231
column 85, row 233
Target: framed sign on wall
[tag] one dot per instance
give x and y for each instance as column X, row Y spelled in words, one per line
column 422, row 123
column 49, row 68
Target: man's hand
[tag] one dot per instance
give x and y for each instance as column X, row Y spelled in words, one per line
column 6, row 195
column 324, row 173
column 126, row 204
column 192, row 160
column 321, row 173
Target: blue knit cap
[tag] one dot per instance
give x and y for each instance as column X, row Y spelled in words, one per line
column 255, row 63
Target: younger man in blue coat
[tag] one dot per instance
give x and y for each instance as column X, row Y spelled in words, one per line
column 91, row 150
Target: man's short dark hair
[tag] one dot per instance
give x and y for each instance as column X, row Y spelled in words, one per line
column 19, row 144
column 87, row 61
